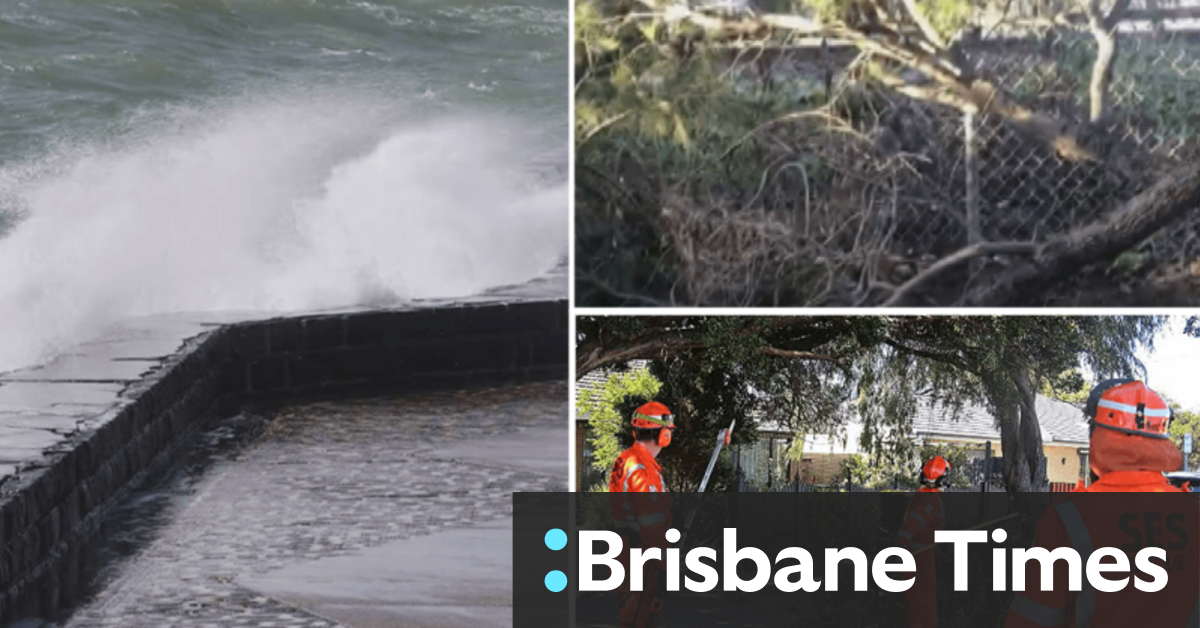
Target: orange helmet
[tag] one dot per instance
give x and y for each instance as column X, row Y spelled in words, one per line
column 1127, row 406
column 936, row 472
column 655, row 415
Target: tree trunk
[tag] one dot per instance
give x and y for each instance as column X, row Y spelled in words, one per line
column 1015, row 474
column 1104, row 29
column 1106, row 54
column 1020, row 432
column 1030, row 435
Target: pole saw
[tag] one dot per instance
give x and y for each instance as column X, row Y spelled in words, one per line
column 722, row 440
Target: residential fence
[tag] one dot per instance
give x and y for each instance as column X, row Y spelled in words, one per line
column 760, row 467
column 884, row 186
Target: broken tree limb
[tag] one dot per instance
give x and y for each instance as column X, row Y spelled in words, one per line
column 955, row 87
column 927, row 29
column 952, row 85
column 1170, row 198
column 954, row 259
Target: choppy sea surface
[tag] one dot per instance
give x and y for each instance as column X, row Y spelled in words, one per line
column 172, row 155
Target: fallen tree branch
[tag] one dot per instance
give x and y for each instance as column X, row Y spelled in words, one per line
column 953, row 85
column 927, row 29
column 1170, row 198
column 956, row 258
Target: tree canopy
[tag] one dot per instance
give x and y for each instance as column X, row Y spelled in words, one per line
column 811, row 373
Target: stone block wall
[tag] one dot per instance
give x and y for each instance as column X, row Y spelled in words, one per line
column 47, row 510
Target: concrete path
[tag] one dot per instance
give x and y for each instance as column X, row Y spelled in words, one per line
column 42, row 405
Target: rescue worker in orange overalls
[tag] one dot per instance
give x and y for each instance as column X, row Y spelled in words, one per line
column 643, row 519
column 1130, row 450
column 925, row 515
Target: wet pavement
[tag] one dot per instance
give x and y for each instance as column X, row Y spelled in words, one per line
column 362, row 513
column 41, row 406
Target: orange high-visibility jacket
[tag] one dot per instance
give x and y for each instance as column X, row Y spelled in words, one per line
column 1135, row 520
column 636, row 471
column 1131, row 482
column 924, row 515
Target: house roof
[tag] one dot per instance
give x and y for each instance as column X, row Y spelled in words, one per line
column 597, row 377
column 592, row 380
column 1063, row 420
column 1060, row 422
column 941, row 420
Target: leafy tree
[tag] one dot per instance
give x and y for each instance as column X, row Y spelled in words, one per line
column 1069, row 386
column 812, row 372
column 608, row 409
column 1003, row 359
column 1187, row 423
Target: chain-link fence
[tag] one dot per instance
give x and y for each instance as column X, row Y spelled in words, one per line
column 1026, row 190
column 861, row 195
column 938, row 180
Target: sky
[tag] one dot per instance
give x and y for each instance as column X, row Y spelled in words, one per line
column 1173, row 366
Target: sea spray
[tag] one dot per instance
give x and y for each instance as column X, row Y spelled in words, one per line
column 279, row 207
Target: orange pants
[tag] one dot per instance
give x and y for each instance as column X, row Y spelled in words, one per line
column 922, row 597
column 640, row 609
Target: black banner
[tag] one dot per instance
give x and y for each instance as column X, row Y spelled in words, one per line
column 856, row 559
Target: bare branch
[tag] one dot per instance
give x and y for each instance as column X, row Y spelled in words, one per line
column 590, row 357
column 956, row 258
column 926, row 28
column 1170, row 198
column 801, row 355
column 1103, row 30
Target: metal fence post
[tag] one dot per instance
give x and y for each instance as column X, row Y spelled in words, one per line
column 971, row 164
column 987, row 466
column 738, row 474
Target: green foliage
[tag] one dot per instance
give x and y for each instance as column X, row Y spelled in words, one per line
column 608, row 409
column 659, row 112
column 886, row 472
column 1187, row 423
column 1145, row 80
column 1068, row 386
column 708, row 395
column 857, row 469
column 948, row 17
column 883, row 364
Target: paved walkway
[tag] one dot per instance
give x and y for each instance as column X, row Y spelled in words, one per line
column 42, row 405
column 366, row 513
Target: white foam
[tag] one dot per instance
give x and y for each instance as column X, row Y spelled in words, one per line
column 270, row 207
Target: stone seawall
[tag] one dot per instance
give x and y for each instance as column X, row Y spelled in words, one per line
column 74, row 442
